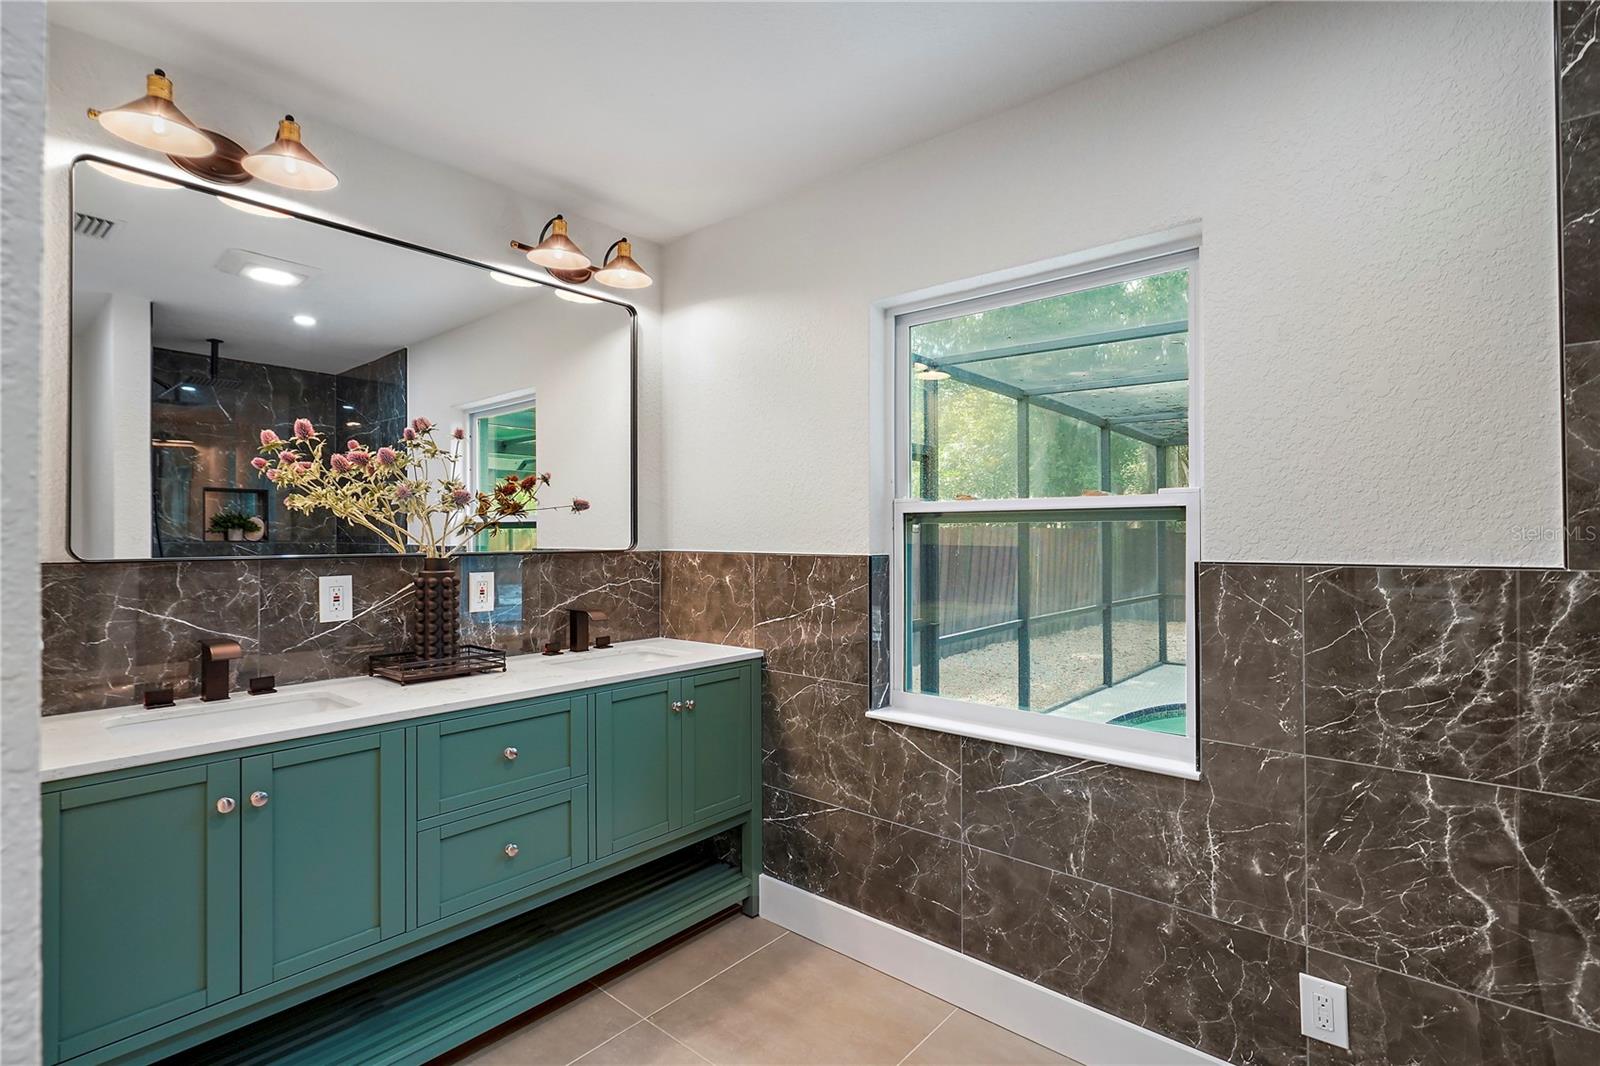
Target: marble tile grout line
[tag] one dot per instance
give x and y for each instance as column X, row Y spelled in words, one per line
column 928, row 1036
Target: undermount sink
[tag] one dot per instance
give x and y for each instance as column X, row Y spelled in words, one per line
column 198, row 713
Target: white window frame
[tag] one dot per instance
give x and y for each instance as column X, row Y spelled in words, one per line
column 1119, row 745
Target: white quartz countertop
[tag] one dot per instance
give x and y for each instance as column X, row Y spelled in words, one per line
column 92, row 742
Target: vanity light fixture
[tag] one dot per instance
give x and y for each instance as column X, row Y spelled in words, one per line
column 924, row 372
column 133, row 177
column 154, row 121
column 289, row 163
column 512, row 280
column 253, row 209
column 566, row 262
column 305, row 320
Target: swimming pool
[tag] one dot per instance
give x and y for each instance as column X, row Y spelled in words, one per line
column 1166, row 718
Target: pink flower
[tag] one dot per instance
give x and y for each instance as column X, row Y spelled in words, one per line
column 352, row 445
column 460, row 497
column 404, row 491
column 268, row 437
column 387, row 457
column 579, row 505
column 358, row 457
column 259, row 463
column 408, row 433
column 302, row 468
column 544, row 478
column 339, row 463
column 458, row 433
column 420, row 424
column 303, row 429
column 272, row 475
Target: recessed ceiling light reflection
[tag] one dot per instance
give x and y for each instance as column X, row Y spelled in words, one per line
column 512, row 280
column 575, row 297
column 352, row 425
column 133, row 177
column 305, row 320
column 271, row 276
column 253, row 209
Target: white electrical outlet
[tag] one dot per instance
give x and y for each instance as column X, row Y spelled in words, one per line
column 335, row 599
column 1323, row 1012
column 480, row 592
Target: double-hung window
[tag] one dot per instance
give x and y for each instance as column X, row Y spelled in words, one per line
column 1046, row 519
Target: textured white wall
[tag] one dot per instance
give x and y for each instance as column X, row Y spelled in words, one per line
column 1375, row 189
column 21, row 135
column 381, row 189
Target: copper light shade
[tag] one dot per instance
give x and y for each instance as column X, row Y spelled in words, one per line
column 154, row 121
column 289, row 163
column 556, row 251
column 620, row 271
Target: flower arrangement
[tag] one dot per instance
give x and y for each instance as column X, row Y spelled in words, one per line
column 407, row 493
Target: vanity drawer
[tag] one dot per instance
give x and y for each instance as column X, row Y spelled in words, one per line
column 478, row 758
column 515, row 848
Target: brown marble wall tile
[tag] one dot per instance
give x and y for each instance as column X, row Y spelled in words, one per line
column 1560, row 747
column 1230, row 845
column 818, row 742
column 812, row 615
column 1228, row 991
column 110, row 631
column 1396, row 1020
column 1581, row 402
column 1580, row 229
column 1417, row 874
column 1043, row 925
column 879, row 620
column 1414, row 669
column 903, row 876
column 1578, row 58
column 1251, row 654
column 708, row 596
column 296, row 646
column 625, row 585
column 1554, row 961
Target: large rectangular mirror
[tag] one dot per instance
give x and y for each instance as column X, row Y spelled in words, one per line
column 197, row 322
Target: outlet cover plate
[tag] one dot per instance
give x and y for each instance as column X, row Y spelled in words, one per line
column 480, row 592
column 335, row 599
column 1324, row 1012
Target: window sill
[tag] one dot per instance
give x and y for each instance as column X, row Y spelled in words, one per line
column 1020, row 738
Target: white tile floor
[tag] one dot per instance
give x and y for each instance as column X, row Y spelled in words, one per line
column 743, row 990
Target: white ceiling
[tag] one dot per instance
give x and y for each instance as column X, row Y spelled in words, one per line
column 660, row 118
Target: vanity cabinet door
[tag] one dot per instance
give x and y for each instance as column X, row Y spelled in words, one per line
column 141, row 903
column 718, row 749
column 323, row 832
column 638, row 765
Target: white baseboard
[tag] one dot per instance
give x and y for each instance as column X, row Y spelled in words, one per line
column 1064, row 1025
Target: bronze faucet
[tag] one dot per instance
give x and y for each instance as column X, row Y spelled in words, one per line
column 214, row 658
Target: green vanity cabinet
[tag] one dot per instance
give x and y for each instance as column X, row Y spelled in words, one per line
column 718, row 731
column 203, row 899
column 141, row 905
column 324, row 852
column 673, row 752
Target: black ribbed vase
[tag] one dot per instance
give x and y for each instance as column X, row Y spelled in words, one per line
column 434, row 634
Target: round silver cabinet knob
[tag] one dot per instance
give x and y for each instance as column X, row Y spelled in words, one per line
column 510, row 754
column 688, row 705
column 676, row 705
column 258, row 799
column 511, row 851
column 225, row 805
